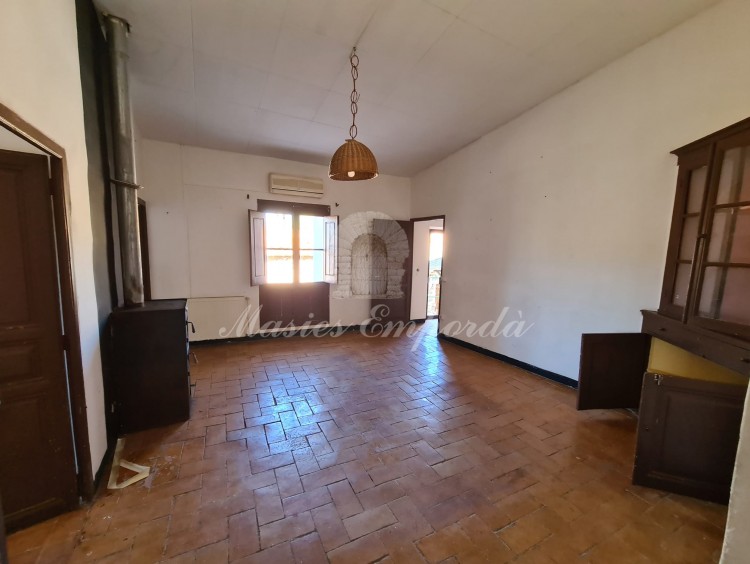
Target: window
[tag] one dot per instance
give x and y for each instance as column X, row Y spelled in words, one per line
column 279, row 248
column 707, row 275
column 292, row 243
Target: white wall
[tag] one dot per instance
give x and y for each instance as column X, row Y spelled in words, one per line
column 564, row 212
column 197, row 203
column 42, row 83
column 420, row 263
column 736, row 540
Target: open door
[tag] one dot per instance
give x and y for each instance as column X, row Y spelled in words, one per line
column 398, row 308
column 427, row 267
column 612, row 368
column 293, row 261
column 434, row 273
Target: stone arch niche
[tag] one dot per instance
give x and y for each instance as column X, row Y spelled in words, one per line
column 372, row 251
column 369, row 266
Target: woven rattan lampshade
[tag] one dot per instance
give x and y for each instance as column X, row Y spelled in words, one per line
column 353, row 161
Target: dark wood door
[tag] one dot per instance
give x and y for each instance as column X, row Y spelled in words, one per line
column 393, row 308
column 688, row 431
column 612, row 368
column 3, row 543
column 292, row 305
column 37, row 467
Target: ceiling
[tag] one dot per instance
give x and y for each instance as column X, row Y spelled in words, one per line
column 272, row 77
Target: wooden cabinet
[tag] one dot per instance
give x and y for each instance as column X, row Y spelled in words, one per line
column 688, row 431
column 707, row 270
column 612, row 367
column 151, row 365
column 688, row 428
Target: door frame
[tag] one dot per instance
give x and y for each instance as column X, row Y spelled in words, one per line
column 442, row 266
column 59, row 183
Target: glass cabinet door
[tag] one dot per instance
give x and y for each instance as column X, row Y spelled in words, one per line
column 691, row 218
column 687, row 222
column 724, row 289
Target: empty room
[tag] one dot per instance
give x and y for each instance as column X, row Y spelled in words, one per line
column 359, row 281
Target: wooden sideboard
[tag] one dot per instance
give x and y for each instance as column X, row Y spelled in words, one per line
column 151, row 365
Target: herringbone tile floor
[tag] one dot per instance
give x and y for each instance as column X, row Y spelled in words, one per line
column 360, row 450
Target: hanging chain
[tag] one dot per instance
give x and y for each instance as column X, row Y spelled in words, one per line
column 354, row 60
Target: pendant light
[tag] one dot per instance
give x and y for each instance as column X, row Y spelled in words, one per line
column 353, row 160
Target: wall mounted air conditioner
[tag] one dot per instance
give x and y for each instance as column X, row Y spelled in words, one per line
column 295, row 186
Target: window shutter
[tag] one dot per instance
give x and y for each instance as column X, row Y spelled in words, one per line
column 258, row 259
column 332, row 249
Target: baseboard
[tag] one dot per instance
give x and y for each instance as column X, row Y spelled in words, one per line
column 548, row 374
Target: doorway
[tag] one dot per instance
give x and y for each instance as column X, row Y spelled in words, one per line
column 37, row 465
column 45, row 462
column 427, row 267
column 434, row 272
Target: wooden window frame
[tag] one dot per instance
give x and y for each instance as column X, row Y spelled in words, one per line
column 296, row 209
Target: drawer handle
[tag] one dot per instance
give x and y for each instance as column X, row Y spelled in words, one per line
column 745, row 360
column 192, row 326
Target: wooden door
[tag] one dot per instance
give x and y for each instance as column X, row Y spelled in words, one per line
column 612, row 368
column 3, row 543
column 292, row 305
column 688, row 431
column 37, row 466
column 398, row 308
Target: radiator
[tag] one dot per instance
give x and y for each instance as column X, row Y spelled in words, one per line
column 218, row 318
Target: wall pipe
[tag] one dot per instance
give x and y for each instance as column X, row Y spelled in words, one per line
column 126, row 185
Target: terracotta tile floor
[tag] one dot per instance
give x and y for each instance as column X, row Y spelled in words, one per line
column 362, row 450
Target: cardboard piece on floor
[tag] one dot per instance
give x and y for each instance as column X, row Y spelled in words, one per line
column 142, row 472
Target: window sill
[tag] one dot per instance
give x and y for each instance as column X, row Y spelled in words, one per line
column 723, row 350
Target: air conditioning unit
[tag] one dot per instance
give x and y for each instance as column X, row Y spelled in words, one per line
column 295, row 186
